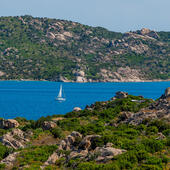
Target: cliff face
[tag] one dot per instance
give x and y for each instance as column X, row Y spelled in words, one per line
column 58, row 50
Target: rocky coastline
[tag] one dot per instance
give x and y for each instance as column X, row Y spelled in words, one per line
column 125, row 132
column 90, row 81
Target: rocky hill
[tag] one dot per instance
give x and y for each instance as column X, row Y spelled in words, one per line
column 59, row 50
column 126, row 132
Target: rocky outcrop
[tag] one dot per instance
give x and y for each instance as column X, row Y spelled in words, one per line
column 166, row 95
column 80, row 76
column 69, row 141
column 15, row 139
column 167, row 92
column 148, row 32
column 47, row 125
column 83, row 148
column 122, row 74
column 10, row 159
column 160, row 109
column 121, row 95
column 51, row 160
column 106, row 153
column 8, row 124
column 76, row 109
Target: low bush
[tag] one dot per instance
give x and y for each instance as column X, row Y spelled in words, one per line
column 4, row 151
column 57, row 132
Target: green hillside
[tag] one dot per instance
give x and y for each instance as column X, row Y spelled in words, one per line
column 59, row 50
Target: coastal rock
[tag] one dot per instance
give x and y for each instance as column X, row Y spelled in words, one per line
column 47, row 125
column 159, row 109
column 81, row 79
column 121, row 95
column 167, row 92
column 15, row 139
column 80, row 76
column 77, row 109
column 8, row 124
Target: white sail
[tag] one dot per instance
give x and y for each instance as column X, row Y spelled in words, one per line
column 60, row 92
column 59, row 97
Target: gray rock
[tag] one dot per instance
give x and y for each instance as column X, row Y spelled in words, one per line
column 121, row 95
column 76, row 134
column 77, row 109
column 52, row 159
column 159, row 109
column 10, row 159
column 9, row 123
column 167, row 92
column 68, row 142
column 83, row 150
column 15, row 139
column 47, row 125
column 107, row 153
column 87, row 142
column 160, row 136
column 78, row 154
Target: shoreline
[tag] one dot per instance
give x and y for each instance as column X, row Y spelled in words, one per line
column 142, row 81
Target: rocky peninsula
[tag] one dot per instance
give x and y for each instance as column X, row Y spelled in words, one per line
column 126, row 132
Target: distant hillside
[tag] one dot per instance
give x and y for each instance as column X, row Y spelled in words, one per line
column 59, row 50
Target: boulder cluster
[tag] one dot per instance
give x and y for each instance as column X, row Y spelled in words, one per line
column 157, row 110
column 15, row 139
column 84, row 148
column 8, row 124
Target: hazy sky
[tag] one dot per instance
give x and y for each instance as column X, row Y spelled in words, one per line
column 115, row 15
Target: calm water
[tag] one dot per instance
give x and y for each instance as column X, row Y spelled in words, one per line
column 35, row 99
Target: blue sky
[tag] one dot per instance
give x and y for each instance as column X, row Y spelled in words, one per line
column 115, row 15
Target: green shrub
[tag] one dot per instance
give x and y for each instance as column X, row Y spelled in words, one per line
column 141, row 127
column 2, row 166
column 37, row 132
column 153, row 161
column 4, row 151
column 69, row 124
column 36, row 155
column 166, row 132
column 151, row 130
column 57, row 132
column 39, row 122
column 150, row 167
column 160, row 124
column 2, row 132
column 152, row 145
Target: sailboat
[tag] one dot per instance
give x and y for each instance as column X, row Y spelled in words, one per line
column 59, row 97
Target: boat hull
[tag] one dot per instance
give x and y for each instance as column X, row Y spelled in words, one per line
column 60, row 99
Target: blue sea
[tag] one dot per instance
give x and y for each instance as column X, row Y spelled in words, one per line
column 34, row 99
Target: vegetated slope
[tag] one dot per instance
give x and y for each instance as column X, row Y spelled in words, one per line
column 59, row 50
column 126, row 132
